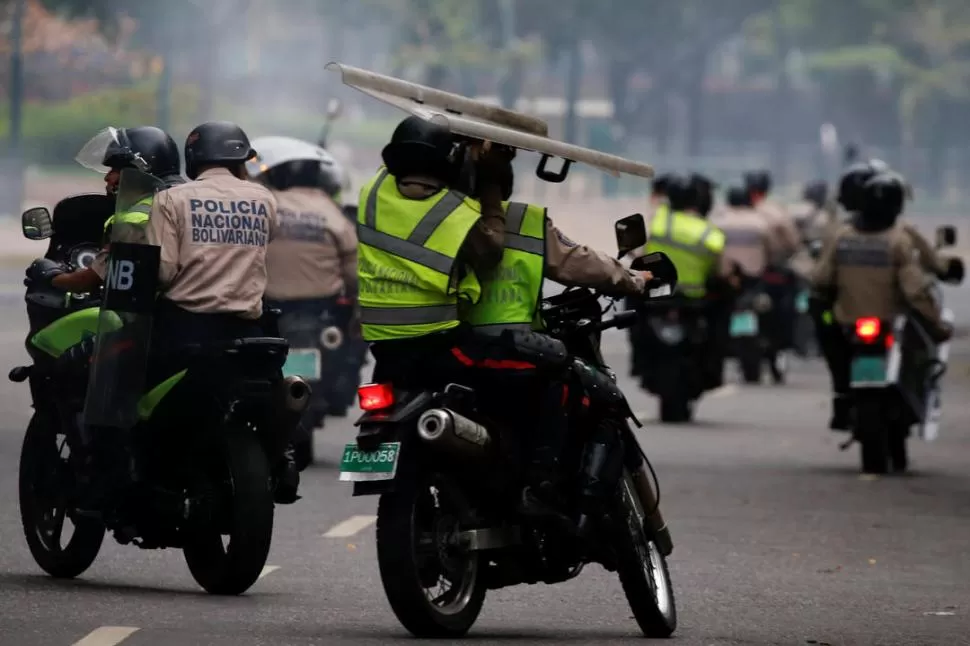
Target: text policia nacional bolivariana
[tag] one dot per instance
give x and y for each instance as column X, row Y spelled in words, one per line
column 241, row 222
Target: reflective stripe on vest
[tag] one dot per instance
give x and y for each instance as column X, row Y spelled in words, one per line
column 405, row 260
column 511, row 291
column 694, row 260
column 137, row 214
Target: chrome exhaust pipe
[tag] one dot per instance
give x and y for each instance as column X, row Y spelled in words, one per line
column 453, row 433
column 332, row 338
column 654, row 523
column 293, row 395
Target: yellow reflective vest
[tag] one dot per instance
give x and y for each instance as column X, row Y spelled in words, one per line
column 407, row 249
column 692, row 243
column 511, row 291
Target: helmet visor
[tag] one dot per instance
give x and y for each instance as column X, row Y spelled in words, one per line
column 99, row 149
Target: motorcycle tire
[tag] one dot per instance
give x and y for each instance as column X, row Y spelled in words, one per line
column 242, row 507
column 39, row 462
column 676, row 409
column 642, row 567
column 407, row 570
column 898, row 450
column 750, row 362
column 872, row 431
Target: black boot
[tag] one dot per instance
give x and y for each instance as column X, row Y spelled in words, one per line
column 841, row 413
column 287, row 478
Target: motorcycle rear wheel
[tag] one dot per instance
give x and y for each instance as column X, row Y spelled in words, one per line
column 414, row 523
column 45, row 484
column 241, row 501
column 642, row 568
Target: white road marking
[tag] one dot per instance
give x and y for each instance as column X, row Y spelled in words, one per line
column 106, row 636
column 266, row 570
column 351, row 526
column 723, row 391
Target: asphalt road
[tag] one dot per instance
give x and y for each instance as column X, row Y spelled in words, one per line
column 778, row 541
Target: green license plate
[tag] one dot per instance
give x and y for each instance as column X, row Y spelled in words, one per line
column 801, row 302
column 303, row 363
column 868, row 371
column 744, row 324
column 381, row 464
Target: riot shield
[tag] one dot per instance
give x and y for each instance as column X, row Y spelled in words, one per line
column 117, row 375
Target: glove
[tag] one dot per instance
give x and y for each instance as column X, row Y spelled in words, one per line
column 41, row 272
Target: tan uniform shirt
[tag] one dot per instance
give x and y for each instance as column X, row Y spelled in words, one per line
column 748, row 240
column 570, row 264
column 213, row 233
column 314, row 252
column 928, row 257
column 874, row 274
column 786, row 239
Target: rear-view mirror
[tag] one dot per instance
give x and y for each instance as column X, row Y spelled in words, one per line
column 946, row 236
column 663, row 269
column 37, row 224
column 631, row 233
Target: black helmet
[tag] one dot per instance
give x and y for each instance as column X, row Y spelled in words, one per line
column 704, row 188
column 421, row 147
column 758, row 181
column 145, row 148
column 851, row 185
column 681, row 193
column 216, row 143
column 885, row 195
column 660, row 183
column 816, row 192
column 738, row 197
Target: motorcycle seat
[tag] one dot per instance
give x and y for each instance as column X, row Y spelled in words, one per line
column 253, row 351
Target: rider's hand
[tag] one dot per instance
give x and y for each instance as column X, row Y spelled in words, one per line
column 41, row 272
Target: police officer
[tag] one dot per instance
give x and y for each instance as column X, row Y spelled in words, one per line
column 144, row 148
column 535, row 248
column 759, row 185
column 869, row 266
column 425, row 249
column 313, row 257
column 695, row 246
column 851, row 195
column 213, row 233
column 780, row 280
column 748, row 243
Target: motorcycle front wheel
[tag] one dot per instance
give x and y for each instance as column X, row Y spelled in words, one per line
column 46, row 484
column 227, row 546
column 642, row 567
column 434, row 586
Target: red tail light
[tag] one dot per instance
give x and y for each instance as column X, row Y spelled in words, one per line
column 375, row 396
column 867, row 329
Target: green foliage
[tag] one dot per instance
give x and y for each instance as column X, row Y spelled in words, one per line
column 54, row 133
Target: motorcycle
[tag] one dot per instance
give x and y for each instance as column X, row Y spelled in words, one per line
column 674, row 335
column 749, row 342
column 192, row 467
column 448, row 475
column 895, row 370
column 326, row 352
